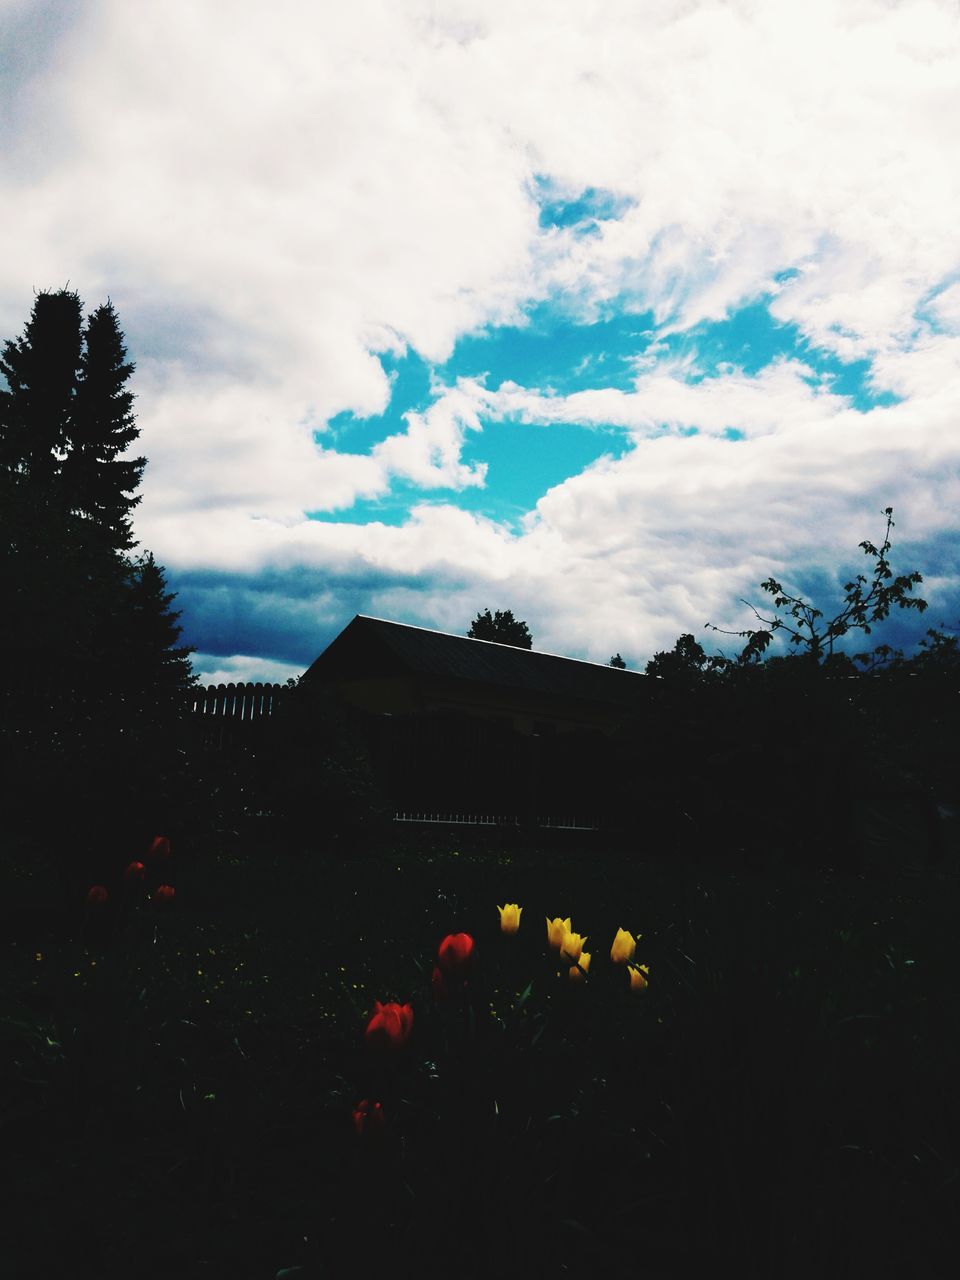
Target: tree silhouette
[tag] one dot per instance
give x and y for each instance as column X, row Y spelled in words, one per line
column 90, row 647
column 867, row 600
column 41, row 373
column 99, row 484
column 501, row 627
column 618, row 662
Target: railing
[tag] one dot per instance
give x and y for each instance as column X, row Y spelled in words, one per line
column 570, row 824
column 499, row 820
column 460, row 819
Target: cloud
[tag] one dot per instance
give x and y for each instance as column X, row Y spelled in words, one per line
column 275, row 202
column 784, row 393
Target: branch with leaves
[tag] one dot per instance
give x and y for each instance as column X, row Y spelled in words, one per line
column 868, row 599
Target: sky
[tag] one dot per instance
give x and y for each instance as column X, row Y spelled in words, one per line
column 600, row 312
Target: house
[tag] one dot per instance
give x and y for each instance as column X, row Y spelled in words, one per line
column 464, row 726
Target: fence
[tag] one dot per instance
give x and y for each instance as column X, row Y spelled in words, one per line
column 236, row 701
column 232, row 716
column 569, row 823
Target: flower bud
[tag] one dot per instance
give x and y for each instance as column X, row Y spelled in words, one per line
column 368, row 1119
column 389, row 1026
column 509, row 917
column 455, row 954
column 571, row 947
column 159, row 848
column 556, row 930
column 624, row 947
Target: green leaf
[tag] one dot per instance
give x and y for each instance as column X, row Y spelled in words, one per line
column 524, row 995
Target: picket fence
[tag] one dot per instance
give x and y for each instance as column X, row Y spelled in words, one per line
column 236, row 702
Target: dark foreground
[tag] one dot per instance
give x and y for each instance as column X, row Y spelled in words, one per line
column 179, row 1085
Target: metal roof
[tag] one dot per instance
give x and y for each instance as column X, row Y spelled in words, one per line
column 374, row 646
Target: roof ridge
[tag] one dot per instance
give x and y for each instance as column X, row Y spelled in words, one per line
column 412, row 626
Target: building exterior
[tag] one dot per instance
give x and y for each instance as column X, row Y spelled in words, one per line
column 470, row 727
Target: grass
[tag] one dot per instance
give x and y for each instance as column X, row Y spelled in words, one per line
column 781, row 1100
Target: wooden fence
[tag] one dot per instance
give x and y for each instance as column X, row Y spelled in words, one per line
column 233, row 716
column 236, row 701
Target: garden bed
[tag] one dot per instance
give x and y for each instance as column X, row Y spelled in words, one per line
column 179, row 1092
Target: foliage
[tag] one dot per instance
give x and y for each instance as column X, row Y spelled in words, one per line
column 618, row 662
column 868, row 599
column 200, row 1069
column 95, row 675
column 501, row 627
column 315, row 770
column 686, row 663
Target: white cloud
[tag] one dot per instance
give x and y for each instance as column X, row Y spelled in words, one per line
column 783, row 394
column 428, row 452
column 273, row 199
column 241, row 669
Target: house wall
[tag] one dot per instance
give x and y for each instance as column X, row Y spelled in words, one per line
column 522, row 711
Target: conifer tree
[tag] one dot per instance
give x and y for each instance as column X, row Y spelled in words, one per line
column 89, row 648
column 99, row 483
column 41, row 373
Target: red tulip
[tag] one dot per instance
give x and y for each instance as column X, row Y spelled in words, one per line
column 164, row 894
column 134, row 873
column 159, row 848
column 440, row 988
column 97, row 897
column 390, row 1025
column 368, row 1119
column 455, row 953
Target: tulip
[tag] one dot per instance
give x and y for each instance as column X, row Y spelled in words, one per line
column 455, row 953
column 624, row 947
column 389, row 1026
column 368, row 1118
column 97, row 897
column 582, row 967
column 509, row 917
column 164, row 894
column 134, row 873
column 437, row 981
column 159, row 847
column 571, row 947
column 638, row 980
column 556, row 929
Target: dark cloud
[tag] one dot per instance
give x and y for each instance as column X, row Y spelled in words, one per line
column 281, row 616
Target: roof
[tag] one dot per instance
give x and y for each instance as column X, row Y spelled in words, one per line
column 375, row 647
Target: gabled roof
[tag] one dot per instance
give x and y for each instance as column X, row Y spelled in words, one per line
column 374, row 647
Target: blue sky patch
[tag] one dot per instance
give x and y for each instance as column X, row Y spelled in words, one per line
column 583, row 212
column 551, row 351
column 750, row 339
column 552, row 354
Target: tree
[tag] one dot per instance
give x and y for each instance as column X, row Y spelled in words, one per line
column 90, row 644
column 501, row 627
column 867, row 600
column 153, row 631
column 618, row 662
column 41, row 371
column 686, row 663
column 99, row 483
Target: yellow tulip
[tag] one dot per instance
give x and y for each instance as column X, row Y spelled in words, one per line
column 582, row 967
column 638, row 980
column 556, row 929
column 571, row 947
column 624, row 946
column 509, row 917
